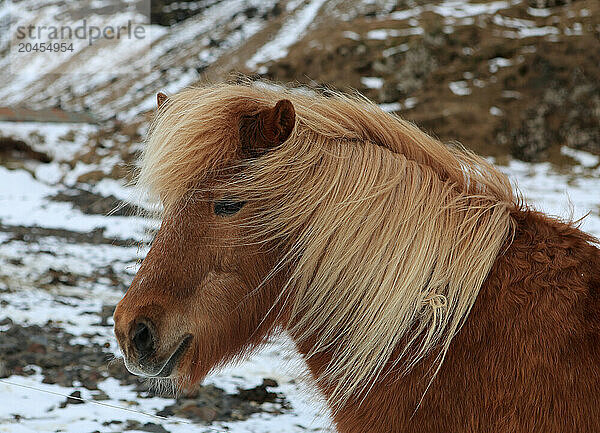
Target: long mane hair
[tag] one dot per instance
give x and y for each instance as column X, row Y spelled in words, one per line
column 389, row 233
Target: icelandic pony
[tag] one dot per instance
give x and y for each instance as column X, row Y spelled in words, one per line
column 423, row 295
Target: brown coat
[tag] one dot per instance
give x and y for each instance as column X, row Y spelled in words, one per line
column 526, row 360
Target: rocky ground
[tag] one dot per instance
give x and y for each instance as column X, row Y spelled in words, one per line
column 61, row 361
column 514, row 80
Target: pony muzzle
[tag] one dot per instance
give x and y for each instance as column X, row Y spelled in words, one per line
column 145, row 359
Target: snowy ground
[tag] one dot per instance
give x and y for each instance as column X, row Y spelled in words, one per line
column 39, row 237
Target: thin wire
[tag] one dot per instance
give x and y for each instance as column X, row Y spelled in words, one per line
column 111, row 406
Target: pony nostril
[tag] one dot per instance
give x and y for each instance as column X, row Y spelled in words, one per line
column 143, row 340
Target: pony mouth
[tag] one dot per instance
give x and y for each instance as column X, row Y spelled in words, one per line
column 169, row 365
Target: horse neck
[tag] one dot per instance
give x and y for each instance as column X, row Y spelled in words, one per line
column 544, row 255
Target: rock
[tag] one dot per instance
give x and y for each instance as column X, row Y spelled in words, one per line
column 74, row 398
column 147, row 427
column 91, row 177
column 259, row 394
column 206, row 414
column 61, row 362
column 100, row 396
column 153, row 428
column 521, row 96
column 3, row 370
column 106, row 314
column 169, row 12
column 54, row 276
column 270, row 383
column 36, row 348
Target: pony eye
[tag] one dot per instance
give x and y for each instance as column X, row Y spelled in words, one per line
column 227, row 207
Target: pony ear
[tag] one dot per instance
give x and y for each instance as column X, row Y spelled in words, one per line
column 268, row 128
column 161, row 98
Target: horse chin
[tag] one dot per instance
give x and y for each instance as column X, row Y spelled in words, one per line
column 167, row 386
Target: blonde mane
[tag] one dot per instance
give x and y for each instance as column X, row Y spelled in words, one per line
column 390, row 234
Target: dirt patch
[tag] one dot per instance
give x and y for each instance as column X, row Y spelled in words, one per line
column 12, row 150
column 94, row 204
column 32, row 234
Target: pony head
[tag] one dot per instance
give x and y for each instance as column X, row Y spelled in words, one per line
column 363, row 237
column 195, row 301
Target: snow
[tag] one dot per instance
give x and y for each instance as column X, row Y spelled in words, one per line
column 586, row 159
column 539, row 12
column 24, row 201
column 351, row 35
column 577, row 29
column 513, row 22
column 38, row 407
column 40, row 413
column 567, row 196
column 166, row 57
column 372, row 82
column 511, row 94
column 290, row 33
column 404, row 15
column 50, row 173
column 495, row 111
column 454, row 9
column 410, row 102
column 497, row 63
column 523, row 28
column 543, row 187
column 462, row 9
column 397, row 106
column 540, row 183
column 391, row 107
column 384, row 34
column 531, row 32
column 395, row 50
column 61, row 141
column 460, row 88
column 379, row 34
column 119, row 189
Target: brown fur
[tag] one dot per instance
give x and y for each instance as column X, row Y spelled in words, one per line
column 527, row 357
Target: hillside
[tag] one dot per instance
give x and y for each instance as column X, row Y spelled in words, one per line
column 518, row 77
